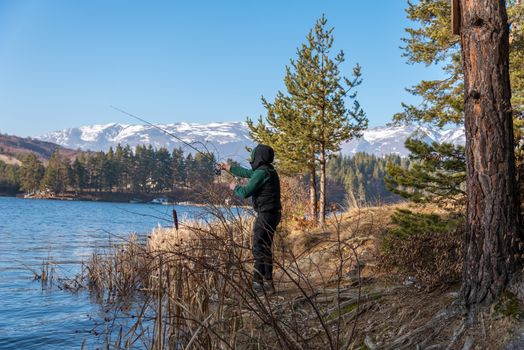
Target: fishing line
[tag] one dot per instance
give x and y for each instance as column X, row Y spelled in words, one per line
column 202, row 217
column 207, row 155
column 217, row 170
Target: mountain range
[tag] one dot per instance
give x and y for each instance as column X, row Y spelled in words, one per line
column 229, row 139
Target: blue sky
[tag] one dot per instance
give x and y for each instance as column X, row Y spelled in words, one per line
column 63, row 63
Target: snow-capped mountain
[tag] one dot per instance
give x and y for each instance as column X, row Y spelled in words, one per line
column 228, row 140
column 390, row 139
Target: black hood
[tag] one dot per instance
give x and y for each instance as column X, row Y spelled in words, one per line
column 261, row 155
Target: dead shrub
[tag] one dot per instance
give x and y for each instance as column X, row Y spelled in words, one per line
column 432, row 258
column 294, row 198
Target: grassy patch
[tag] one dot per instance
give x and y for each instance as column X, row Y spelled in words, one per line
column 510, row 306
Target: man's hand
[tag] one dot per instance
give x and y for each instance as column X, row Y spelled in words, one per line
column 225, row 166
column 232, row 185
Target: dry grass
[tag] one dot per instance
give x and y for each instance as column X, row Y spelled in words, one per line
column 9, row 160
column 196, row 286
column 193, row 291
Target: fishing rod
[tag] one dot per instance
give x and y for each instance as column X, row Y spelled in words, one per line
column 218, row 169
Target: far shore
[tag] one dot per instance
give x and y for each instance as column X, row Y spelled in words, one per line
column 187, row 199
column 117, row 197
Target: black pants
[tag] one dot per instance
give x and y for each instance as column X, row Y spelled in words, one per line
column 263, row 232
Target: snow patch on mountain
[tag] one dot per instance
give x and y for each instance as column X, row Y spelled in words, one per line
column 390, row 139
column 226, row 140
column 229, row 140
column 455, row 136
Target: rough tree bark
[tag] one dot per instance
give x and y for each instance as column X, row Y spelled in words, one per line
column 492, row 223
column 322, row 187
column 313, row 195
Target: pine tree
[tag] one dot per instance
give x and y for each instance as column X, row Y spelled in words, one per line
column 204, row 167
column 78, row 174
column 109, row 170
column 56, row 177
column 313, row 121
column 120, row 168
column 477, row 89
column 94, row 166
column 128, row 166
column 140, row 173
column 9, row 178
column 163, row 170
column 431, row 41
column 31, row 173
column 493, row 223
column 191, row 171
column 178, row 166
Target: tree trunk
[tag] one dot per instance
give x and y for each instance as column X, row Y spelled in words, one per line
column 322, row 188
column 352, row 201
column 492, row 222
column 313, row 195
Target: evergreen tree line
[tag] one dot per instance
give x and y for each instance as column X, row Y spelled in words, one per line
column 142, row 170
column 149, row 170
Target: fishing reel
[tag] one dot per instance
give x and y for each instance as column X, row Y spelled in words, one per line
column 218, row 170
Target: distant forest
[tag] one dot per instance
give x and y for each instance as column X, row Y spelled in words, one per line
column 353, row 180
column 142, row 170
column 361, row 179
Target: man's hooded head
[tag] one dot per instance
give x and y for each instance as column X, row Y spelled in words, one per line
column 260, row 155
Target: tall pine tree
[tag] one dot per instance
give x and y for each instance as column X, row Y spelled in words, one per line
column 493, row 254
column 477, row 89
column 56, row 177
column 313, row 118
column 31, row 173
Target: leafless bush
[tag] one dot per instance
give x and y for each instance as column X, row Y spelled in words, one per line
column 432, row 258
column 294, row 198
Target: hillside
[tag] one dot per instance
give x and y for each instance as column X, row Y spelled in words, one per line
column 13, row 147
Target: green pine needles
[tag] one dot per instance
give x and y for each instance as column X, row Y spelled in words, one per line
column 437, row 174
column 439, row 170
column 410, row 223
column 431, row 42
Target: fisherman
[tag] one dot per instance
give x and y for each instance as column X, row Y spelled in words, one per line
column 264, row 188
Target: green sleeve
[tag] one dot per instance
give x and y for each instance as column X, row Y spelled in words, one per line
column 241, row 172
column 258, row 178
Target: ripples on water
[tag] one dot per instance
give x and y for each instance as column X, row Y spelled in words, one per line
column 34, row 231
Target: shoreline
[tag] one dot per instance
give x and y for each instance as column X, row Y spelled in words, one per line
column 116, row 198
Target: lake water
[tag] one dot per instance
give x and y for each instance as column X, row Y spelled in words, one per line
column 66, row 233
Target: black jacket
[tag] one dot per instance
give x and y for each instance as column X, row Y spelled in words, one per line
column 267, row 197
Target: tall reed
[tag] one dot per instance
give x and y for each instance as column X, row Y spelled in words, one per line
column 192, row 288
